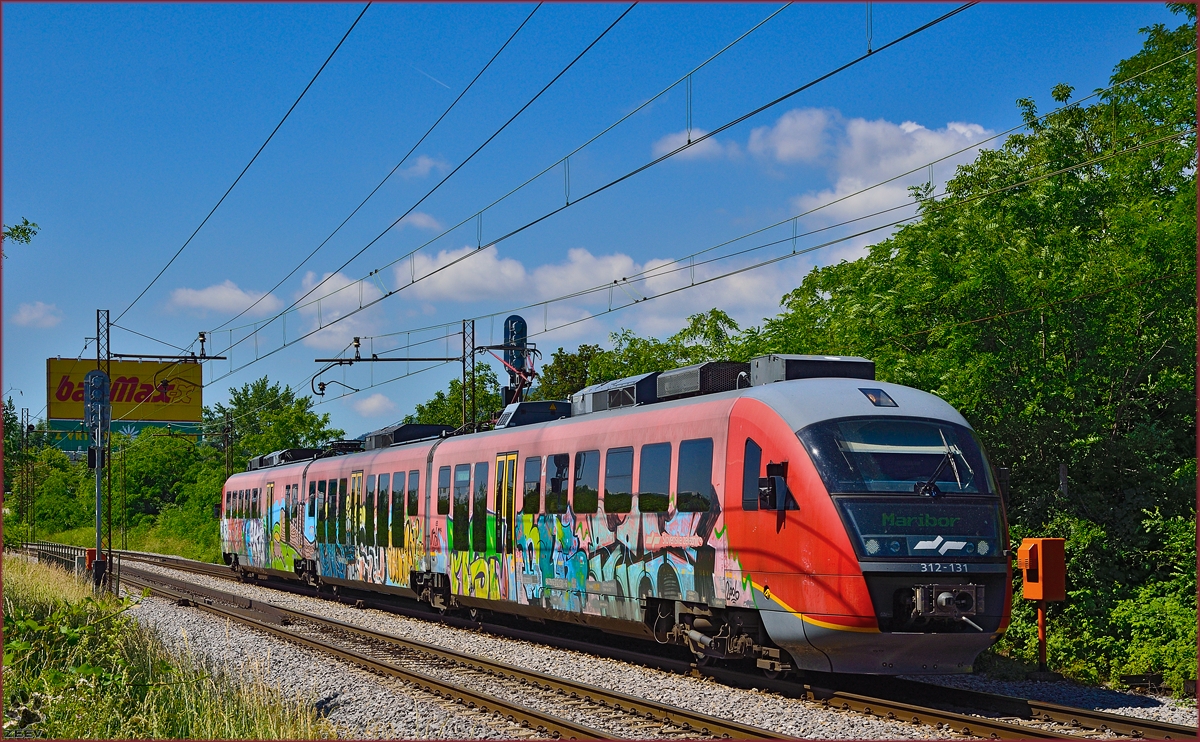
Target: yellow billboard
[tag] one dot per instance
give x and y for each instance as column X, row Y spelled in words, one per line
column 139, row 390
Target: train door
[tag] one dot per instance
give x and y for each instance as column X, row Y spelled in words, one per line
column 352, row 505
column 268, row 509
column 505, row 504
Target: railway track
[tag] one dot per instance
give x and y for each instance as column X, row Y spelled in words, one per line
column 968, row 712
column 458, row 676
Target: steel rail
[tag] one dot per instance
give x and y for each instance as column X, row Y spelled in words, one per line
column 1034, row 709
column 832, row 691
column 685, row 719
column 510, row 710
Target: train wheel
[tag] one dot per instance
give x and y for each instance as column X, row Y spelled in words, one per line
column 773, row 674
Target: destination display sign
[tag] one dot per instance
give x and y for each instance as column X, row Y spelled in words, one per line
column 138, row 390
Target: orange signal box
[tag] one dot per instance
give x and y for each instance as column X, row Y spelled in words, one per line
column 1043, row 566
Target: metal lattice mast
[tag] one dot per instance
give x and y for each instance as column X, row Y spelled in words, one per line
column 468, row 382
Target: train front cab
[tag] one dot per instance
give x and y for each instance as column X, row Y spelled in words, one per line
column 875, row 578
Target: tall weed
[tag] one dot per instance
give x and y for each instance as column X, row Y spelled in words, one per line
column 76, row 666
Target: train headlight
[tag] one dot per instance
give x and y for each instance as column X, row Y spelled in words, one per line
column 894, row 547
column 872, row 546
column 982, row 548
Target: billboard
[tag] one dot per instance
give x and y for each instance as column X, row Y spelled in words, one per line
column 139, row 390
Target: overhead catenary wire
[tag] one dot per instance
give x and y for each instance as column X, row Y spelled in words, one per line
column 794, row 254
column 564, row 160
column 392, row 172
column 248, row 164
column 611, row 183
column 469, row 157
column 143, row 335
column 650, row 274
column 924, row 166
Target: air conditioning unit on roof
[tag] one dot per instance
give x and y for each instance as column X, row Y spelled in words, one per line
column 702, row 378
column 627, row 392
column 771, row 368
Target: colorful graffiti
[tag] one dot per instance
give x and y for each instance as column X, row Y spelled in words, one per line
column 595, row 564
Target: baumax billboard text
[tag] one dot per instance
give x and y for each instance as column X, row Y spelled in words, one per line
column 139, row 390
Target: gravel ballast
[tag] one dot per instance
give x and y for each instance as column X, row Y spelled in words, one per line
column 758, row 708
column 360, row 704
column 1067, row 693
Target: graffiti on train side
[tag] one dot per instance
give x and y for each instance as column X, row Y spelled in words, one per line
column 603, row 564
column 596, row 564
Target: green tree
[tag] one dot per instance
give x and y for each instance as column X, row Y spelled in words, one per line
column 22, row 233
column 445, row 408
column 268, row 417
column 565, row 373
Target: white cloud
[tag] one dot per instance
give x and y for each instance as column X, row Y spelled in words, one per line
column 340, row 296
column 421, row 220
column 708, row 149
column 800, row 135
column 581, row 270
column 37, row 314
column 424, row 166
column 478, row 274
column 862, row 153
column 223, row 297
column 374, row 406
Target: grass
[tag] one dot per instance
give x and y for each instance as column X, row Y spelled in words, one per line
column 80, row 667
column 148, row 537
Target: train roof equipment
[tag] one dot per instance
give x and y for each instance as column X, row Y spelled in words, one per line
column 609, row 395
column 702, row 378
column 775, row 367
column 403, row 433
column 284, row 456
column 528, row 413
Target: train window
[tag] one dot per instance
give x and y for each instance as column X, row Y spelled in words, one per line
column 654, row 479
column 532, row 502
column 479, row 529
column 897, row 455
column 461, row 533
column 693, row 485
column 414, row 491
column 228, row 499
column 556, row 483
column 255, row 510
column 587, row 482
column 397, row 510
column 618, row 480
column 444, row 490
column 751, row 467
column 381, row 510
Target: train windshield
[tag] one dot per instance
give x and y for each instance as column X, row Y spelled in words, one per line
column 898, row 455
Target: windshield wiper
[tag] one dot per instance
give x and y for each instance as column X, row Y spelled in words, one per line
column 929, row 488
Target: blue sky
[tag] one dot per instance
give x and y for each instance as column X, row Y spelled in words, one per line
column 123, row 125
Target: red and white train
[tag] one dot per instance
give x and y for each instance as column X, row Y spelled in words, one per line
column 814, row 519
